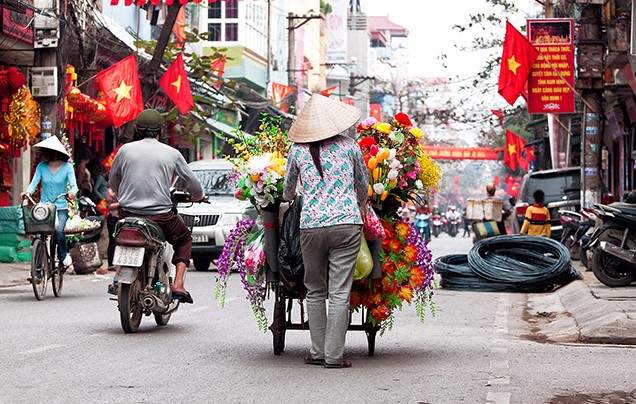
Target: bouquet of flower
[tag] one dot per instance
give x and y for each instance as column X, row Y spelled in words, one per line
column 260, row 162
column 397, row 164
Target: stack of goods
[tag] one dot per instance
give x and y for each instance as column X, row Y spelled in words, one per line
column 14, row 247
column 399, row 170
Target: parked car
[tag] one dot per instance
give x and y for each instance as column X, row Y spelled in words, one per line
column 562, row 188
column 212, row 222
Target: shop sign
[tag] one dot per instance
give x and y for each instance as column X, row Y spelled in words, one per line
column 336, row 32
column 462, row 153
column 18, row 25
column 552, row 75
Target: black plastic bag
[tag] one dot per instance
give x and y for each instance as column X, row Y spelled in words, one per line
column 290, row 256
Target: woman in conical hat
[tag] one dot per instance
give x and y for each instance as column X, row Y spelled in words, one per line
column 326, row 165
column 56, row 177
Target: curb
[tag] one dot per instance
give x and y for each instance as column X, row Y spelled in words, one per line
column 573, row 314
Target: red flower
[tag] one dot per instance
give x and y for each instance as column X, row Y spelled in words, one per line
column 403, row 119
column 374, row 150
column 389, row 286
column 366, row 142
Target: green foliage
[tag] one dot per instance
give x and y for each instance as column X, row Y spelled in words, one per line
column 325, row 7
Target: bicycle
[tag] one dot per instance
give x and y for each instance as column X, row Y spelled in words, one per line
column 39, row 223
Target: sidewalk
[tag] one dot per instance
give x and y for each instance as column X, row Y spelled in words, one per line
column 584, row 311
column 14, row 274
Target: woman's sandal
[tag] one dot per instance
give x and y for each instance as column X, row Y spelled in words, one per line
column 341, row 365
column 313, row 361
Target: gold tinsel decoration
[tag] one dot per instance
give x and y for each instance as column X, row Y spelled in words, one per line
column 23, row 118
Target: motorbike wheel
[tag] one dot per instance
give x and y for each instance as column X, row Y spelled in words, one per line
column 610, row 270
column 162, row 319
column 584, row 260
column 130, row 312
column 574, row 247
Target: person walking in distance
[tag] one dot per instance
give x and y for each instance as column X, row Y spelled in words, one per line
column 537, row 220
column 333, row 179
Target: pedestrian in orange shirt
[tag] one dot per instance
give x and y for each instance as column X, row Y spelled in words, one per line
column 537, row 222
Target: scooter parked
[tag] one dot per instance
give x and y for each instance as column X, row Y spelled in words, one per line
column 613, row 244
column 575, row 226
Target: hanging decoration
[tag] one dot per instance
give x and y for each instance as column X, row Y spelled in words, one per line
column 11, row 80
column 23, row 120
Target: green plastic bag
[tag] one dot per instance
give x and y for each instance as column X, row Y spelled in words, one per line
column 8, row 254
column 364, row 262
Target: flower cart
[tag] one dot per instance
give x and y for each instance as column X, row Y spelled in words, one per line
column 395, row 269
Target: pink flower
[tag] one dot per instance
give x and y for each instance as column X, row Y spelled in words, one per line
column 412, row 174
column 370, row 121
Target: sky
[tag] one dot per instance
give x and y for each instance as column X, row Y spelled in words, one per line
column 430, row 24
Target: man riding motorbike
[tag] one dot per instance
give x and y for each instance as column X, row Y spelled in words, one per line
column 142, row 175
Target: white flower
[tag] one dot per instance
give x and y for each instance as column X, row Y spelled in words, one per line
column 378, row 188
column 392, row 153
column 395, row 164
column 393, row 174
column 419, row 184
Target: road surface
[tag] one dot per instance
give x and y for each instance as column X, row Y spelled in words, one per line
column 72, row 350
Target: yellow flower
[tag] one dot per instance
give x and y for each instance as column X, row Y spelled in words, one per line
column 383, row 127
column 417, row 132
column 430, row 173
column 402, row 230
column 278, row 165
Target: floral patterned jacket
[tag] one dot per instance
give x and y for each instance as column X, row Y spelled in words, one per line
column 336, row 198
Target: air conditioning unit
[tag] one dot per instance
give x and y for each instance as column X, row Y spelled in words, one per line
column 44, row 81
column 46, row 27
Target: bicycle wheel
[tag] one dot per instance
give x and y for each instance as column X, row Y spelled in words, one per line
column 57, row 272
column 39, row 269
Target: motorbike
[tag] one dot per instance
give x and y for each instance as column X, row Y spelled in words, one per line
column 576, row 226
column 453, row 226
column 613, row 244
column 437, row 225
column 144, row 271
column 423, row 226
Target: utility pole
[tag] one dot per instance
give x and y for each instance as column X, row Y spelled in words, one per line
column 292, row 26
column 269, row 48
column 590, row 55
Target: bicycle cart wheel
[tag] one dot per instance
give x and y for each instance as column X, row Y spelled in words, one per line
column 57, row 273
column 39, row 269
column 278, row 324
column 130, row 312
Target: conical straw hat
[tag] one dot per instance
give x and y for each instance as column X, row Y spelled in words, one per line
column 53, row 143
column 322, row 118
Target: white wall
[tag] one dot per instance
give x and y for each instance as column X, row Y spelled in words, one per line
column 132, row 18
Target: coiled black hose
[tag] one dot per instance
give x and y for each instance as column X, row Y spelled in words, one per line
column 508, row 263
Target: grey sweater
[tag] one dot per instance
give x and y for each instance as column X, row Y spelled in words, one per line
column 144, row 171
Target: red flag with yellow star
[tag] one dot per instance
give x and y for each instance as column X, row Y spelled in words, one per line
column 512, row 151
column 516, row 61
column 177, row 87
column 122, row 90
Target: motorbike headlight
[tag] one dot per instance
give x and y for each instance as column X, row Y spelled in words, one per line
column 230, row 219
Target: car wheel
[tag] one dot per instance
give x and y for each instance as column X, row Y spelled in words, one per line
column 201, row 263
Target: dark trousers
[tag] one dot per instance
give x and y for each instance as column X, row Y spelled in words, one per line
column 111, row 221
column 176, row 232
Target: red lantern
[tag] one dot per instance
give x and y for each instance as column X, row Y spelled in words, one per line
column 16, row 79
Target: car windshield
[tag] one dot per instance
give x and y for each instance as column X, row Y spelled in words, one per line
column 555, row 187
column 215, row 182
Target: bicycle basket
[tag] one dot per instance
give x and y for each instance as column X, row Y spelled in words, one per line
column 39, row 219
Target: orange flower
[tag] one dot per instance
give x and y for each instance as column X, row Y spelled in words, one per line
column 389, row 286
column 389, row 268
column 402, row 230
column 417, row 277
column 376, row 298
column 380, row 313
column 355, row 300
column 410, row 253
column 406, row 293
column 395, row 245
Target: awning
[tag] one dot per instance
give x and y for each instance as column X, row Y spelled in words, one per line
column 216, row 125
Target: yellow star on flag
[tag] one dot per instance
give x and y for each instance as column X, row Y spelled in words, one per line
column 123, row 91
column 512, row 149
column 177, row 84
column 513, row 65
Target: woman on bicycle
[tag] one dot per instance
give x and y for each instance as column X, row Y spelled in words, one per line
column 56, row 177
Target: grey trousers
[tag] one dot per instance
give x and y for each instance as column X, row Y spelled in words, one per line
column 329, row 256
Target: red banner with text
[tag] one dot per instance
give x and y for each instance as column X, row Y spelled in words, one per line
column 462, row 153
column 552, row 75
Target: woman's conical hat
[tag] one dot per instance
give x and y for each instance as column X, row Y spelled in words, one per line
column 53, row 143
column 322, row 118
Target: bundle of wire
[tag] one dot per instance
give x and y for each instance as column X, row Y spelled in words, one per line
column 508, row 263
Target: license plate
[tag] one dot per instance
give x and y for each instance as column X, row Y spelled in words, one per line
column 199, row 238
column 128, row 256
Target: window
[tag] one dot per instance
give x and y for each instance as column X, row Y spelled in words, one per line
column 231, row 8
column 231, row 31
column 214, row 31
column 214, row 9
